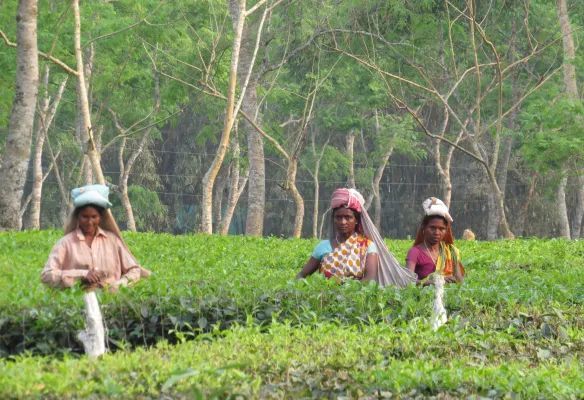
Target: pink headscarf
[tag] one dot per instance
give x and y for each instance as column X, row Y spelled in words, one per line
column 349, row 198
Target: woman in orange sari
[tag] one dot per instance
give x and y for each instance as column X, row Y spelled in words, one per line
column 355, row 249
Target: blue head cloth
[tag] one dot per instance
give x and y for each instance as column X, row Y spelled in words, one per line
column 91, row 194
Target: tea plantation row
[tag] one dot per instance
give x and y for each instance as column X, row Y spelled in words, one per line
column 516, row 325
column 200, row 282
column 319, row 361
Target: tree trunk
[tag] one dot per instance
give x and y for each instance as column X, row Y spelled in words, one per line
column 219, row 191
column 298, row 200
column 256, row 192
column 579, row 212
column 316, row 180
column 500, row 205
column 44, row 121
column 126, row 167
column 65, row 203
column 127, row 204
column 375, row 191
column 525, row 207
column 238, row 16
column 34, row 216
column 564, row 224
column 572, row 92
column 569, row 50
column 375, row 187
column 83, row 99
column 316, row 195
column 493, row 219
column 444, row 174
column 490, row 171
column 16, row 157
column 123, row 186
column 350, row 142
column 236, row 187
column 80, row 132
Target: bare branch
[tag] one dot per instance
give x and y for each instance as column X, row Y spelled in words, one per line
column 48, row 57
column 127, row 28
column 385, row 73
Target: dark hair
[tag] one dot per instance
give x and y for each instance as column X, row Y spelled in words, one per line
column 99, row 209
column 448, row 236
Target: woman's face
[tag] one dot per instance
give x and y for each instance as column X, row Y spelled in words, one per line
column 345, row 221
column 89, row 219
column 434, row 231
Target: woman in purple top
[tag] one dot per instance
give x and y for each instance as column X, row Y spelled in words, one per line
column 433, row 248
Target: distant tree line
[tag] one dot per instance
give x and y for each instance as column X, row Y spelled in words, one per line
column 243, row 116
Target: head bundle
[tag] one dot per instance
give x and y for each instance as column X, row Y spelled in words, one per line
column 435, row 208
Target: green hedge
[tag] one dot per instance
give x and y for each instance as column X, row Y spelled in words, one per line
column 531, row 288
column 322, row 360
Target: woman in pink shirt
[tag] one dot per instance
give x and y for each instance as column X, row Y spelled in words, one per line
column 434, row 249
column 92, row 251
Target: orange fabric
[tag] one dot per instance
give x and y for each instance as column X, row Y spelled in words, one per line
column 447, row 258
column 347, row 260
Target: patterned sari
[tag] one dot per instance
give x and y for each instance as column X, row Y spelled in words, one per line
column 448, row 257
column 347, row 260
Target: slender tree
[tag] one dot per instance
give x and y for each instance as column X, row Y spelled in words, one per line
column 238, row 13
column 16, row 157
column 237, row 183
column 571, row 88
column 45, row 116
column 86, row 129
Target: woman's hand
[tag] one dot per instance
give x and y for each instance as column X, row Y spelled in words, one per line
column 92, row 277
column 309, row 268
column 458, row 273
column 67, row 281
column 371, row 267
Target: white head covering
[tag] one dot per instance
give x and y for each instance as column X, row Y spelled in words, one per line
column 91, row 194
column 435, row 206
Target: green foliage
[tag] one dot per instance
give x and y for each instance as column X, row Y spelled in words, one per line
column 326, row 361
column 258, row 331
column 149, row 212
column 7, row 66
column 554, row 133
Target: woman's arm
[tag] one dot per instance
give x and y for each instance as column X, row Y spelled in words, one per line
column 371, row 267
column 411, row 264
column 55, row 273
column 309, row 268
column 458, row 274
column 458, row 269
column 411, row 261
column 130, row 270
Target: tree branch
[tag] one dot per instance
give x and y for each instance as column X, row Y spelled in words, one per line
column 58, row 62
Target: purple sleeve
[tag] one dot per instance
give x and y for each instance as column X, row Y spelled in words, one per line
column 413, row 255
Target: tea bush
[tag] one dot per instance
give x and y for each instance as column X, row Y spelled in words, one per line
column 324, row 360
column 223, row 316
column 205, row 281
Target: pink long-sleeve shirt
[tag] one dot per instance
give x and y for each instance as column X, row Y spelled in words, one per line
column 71, row 259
